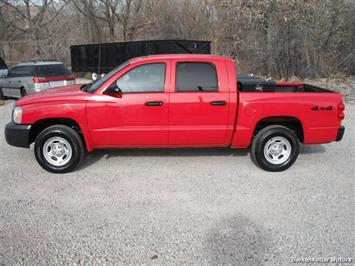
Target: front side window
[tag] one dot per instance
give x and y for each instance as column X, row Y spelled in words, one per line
column 22, row 71
column 97, row 84
column 196, row 77
column 144, row 78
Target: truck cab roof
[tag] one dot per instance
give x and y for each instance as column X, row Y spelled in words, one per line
column 179, row 56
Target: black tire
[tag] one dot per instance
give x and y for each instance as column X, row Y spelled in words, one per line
column 70, row 136
column 23, row 92
column 275, row 133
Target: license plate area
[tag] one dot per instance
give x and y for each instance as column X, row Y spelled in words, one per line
column 59, row 83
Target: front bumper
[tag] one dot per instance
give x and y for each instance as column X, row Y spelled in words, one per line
column 340, row 134
column 18, row 135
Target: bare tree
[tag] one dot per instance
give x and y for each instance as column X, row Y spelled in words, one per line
column 36, row 15
column 281, row 38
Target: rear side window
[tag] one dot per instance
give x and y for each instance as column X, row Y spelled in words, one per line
column 196, row 77
column 52, row 70
column 22, row 71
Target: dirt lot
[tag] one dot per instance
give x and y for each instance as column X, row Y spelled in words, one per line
column 189, row 206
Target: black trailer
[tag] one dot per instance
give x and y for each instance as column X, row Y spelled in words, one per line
column 103, row 57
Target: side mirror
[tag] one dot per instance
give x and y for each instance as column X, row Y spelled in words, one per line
column 3, row 76
column 113, row 90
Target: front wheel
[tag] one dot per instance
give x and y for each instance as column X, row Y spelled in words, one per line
column 59, row 149
column 275, row 148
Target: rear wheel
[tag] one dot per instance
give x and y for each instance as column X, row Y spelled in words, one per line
column 275, row 148
column 59, row 149
column 23, row 92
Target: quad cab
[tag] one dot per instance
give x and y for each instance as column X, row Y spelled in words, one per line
column 176, row 101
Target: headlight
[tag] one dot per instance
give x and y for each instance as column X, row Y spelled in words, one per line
column 17, row 115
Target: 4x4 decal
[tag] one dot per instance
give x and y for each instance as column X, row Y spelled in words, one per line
column 322, row 108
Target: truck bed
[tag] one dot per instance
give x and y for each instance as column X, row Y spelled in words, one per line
column 247, row 83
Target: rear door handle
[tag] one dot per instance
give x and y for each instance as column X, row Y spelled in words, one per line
column 218, row 103
column 153, row 104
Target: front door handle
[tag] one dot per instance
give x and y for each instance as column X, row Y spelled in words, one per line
column 218, row 103
column 153, row 104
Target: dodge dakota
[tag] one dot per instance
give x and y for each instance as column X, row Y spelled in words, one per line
column 176, row 101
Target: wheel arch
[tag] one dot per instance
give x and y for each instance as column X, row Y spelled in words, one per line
column 291, row 122
column 41, row 124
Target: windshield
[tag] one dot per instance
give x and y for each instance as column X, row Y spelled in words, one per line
column 94, row 86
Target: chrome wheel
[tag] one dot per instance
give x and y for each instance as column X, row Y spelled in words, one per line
column 57, row 151
column 277, row 150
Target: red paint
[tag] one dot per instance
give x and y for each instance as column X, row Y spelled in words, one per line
column 185, row 118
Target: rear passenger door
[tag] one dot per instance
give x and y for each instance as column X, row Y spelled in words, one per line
column 199, row 103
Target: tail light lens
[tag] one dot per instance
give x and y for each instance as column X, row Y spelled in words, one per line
column 341, row 108
column 39, row 79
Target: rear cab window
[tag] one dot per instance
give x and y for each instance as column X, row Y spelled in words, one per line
column 196, row 77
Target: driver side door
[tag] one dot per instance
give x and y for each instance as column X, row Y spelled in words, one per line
column 138, row 115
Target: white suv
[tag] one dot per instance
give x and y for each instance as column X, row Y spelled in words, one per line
column 34, row 75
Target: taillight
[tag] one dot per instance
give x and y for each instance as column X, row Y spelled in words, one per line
column 39, row 79
column 341, row 108
column 70, row 78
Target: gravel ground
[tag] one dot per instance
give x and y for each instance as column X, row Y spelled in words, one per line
column 188, row 206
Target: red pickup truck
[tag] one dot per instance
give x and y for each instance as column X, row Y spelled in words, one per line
column 176, row 101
